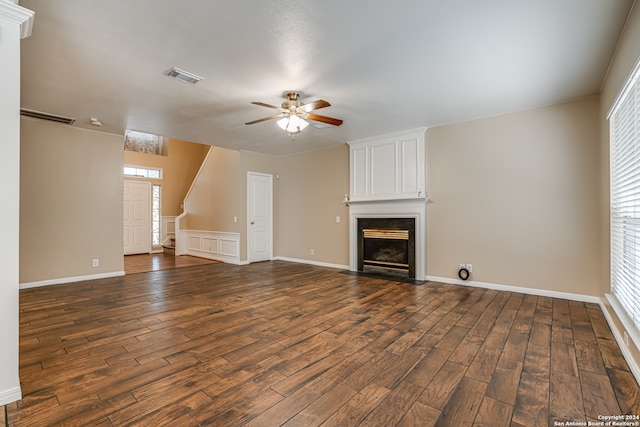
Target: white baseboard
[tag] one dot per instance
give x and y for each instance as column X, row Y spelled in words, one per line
column 518, row 289
column 222, row 258
column 630, row 328
column 10, row 395
column 70, row 279
column 310, row 262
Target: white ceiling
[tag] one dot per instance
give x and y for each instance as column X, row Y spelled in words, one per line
column 384, row 66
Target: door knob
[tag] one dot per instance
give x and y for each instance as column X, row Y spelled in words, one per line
column 252, row 222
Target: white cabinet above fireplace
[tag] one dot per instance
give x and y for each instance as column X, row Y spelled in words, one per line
column 388, row 167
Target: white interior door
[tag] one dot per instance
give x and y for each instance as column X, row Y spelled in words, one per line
column 259, row 228
column 137, row 217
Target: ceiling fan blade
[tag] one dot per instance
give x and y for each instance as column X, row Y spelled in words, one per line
column 262, row 104
column 315, row 105
column 324, row 119
column 264, row 119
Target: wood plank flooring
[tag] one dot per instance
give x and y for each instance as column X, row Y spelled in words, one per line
column 145, row 263
column 283, row 344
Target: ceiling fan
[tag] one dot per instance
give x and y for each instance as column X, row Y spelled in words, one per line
column 294, row 114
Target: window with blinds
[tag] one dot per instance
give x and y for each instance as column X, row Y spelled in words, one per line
column 624, row 121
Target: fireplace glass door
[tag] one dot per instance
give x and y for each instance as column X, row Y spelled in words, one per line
column 387, row 245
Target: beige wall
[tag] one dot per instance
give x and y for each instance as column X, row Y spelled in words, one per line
column 516, row 196
column 71, row 202
column 626, row 56
column 215, row 198
column 179, row 167
column 311, row 189
column 220, row 192
column 306, row 199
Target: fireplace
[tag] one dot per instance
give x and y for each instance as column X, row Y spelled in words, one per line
column 387, row 182
column 387, row 245
column 395, row 226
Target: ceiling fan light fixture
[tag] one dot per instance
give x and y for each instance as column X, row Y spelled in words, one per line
column 294, row 115
column 293, row 124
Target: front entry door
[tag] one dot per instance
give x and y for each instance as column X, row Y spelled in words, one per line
column 137, row 217
column 259, row 228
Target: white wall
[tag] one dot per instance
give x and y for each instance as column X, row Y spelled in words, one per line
column 11, row 19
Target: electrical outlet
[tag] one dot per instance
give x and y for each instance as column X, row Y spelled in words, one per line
column 312, row 251
column 468, row 267
column 625, row 336
column 96, row 262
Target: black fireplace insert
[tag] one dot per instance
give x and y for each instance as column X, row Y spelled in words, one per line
column 387, row 245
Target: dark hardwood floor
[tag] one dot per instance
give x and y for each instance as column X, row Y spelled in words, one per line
column 278, row 343
column 145, row 263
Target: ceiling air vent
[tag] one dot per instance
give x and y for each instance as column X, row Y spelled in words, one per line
column 182, row 75
column 47, row 116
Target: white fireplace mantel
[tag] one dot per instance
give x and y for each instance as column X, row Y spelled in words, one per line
column 397, row 208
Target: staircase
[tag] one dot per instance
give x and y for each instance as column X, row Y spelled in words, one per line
column 170, row 249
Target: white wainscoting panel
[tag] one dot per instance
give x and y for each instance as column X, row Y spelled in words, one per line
column 210, row 245
column 229, row 247
column 216, row 245
column 194, row 243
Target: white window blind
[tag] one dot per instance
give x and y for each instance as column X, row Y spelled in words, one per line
column 625, row 198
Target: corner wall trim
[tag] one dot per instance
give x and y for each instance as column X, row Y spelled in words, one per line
column 520, row 290
column 19, row 15
column 70, row 280
column 10, row 395
column 306, row 261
